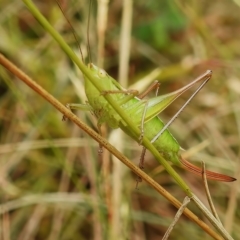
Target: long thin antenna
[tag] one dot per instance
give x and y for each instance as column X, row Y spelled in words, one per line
column 73, row 31
column 88, row 25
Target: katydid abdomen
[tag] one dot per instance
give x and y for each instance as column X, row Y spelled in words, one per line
column 166, row 144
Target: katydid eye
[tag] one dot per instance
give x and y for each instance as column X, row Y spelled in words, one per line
column 102, row 73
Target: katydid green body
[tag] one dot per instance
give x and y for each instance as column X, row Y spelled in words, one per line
column 135, row 107
column 166, row 144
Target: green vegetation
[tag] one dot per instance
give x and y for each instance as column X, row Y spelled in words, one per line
column 50, row 172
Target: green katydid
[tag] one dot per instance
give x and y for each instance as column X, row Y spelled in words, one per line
column 144, row 114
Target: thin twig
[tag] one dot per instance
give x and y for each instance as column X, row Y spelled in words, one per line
column 176, row 218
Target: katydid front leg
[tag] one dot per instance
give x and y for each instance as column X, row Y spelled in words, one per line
column 84, row 107
column 77, row 106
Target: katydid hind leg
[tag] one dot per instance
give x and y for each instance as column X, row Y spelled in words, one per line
column 180, row 110
column 171, row 120
column 153, row 86
column 142, row 123
column 187, row 165
column 141, row 161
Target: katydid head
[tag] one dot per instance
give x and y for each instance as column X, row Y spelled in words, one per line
column 99, row 71
column 91, row 91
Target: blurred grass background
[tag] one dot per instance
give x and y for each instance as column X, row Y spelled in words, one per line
column 53, row 185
